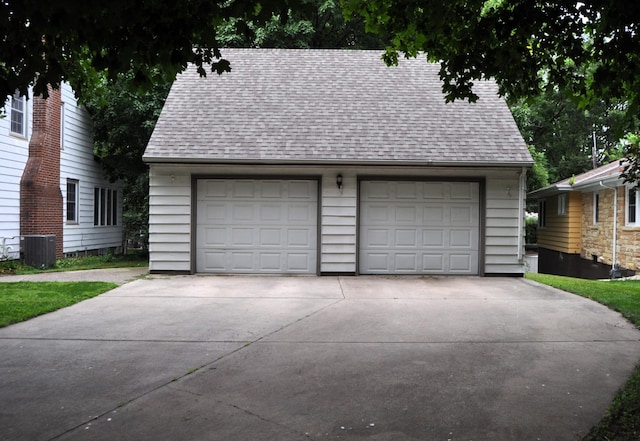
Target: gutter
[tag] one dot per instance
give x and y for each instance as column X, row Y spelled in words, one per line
column 522, row 193
column 549, row 191
column 342, row 162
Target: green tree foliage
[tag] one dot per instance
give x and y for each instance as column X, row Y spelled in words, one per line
column 124, row 117
column 538, row 176
column 123, row 122
column 47, row 42
column 559, row 130
column 317, row 24
column 588, row 51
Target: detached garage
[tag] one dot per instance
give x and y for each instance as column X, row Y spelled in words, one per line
column 329, row 162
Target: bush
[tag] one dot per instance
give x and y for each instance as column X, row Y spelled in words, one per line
column 531, row 228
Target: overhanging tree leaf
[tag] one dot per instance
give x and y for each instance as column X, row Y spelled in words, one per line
column 589, row 51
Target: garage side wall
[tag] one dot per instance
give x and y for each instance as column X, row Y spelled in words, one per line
column 169, row 221
column 503, row 234
column 170, row 208
column 338, row 223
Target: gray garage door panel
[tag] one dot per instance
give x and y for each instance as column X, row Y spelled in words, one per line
column 256, row 226
column 411, row 227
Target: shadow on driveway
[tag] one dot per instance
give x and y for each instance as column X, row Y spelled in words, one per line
column 314, row 358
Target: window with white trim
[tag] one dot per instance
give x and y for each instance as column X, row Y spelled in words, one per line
column 633, row 207
column 562, row 204
column 105, row 206
column 72, row 201
column 596, row 208
column 19, row 115
column 542, row 213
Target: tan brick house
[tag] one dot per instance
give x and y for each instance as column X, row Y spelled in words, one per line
column 589, row 225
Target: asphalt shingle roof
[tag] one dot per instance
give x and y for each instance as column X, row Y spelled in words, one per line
column 341, row 106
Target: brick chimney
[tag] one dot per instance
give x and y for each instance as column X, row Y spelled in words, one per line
column 40, row 195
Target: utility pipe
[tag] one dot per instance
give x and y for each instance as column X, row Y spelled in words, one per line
column 521, row 197
column 614, row 255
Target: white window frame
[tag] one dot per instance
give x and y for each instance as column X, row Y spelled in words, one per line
column 18, row 116
column 596, row 208
column 73, row 206
column 632, row 204
column 562, row 204
column 105, row 207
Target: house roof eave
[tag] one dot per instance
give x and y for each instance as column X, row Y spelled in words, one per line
column 551, row 190
column 342, row 162
column 597, row 184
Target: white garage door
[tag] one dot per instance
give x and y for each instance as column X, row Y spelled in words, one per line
column 419, row 227
column 256, row 226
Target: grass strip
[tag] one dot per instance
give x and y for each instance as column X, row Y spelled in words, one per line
column 21, row 301
column 136, row 260
column 622, row 420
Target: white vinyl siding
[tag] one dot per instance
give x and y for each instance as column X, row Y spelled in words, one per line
column 77, row 162
column 170, row 222
column 14, row 152
column 501, row 226
column 338, row 223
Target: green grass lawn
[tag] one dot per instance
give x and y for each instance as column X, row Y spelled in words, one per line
column 622, row 422
column 21, row 301
column 79, row 263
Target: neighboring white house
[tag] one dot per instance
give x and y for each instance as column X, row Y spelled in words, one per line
column 63, row 190
column 329, row 162
column 15, row 131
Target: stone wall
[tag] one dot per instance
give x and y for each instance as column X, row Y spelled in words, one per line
column 597, row 239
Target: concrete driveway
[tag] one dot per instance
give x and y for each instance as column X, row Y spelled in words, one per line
column 315, row 358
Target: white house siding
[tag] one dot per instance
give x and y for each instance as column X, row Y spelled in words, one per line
column 77, row 162
column 14, row 151
column 338, row 222
column 169, row 219
column 503, row 237
column 170, row 222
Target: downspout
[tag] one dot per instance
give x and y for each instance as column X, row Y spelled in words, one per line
column 521, row 198
column 614, row 256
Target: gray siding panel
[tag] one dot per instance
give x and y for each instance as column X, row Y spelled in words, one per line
column 501, row 226
column 170, row 213
column 169, row 232
column 14, row 151
column 338, row 229
column 77, row 162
